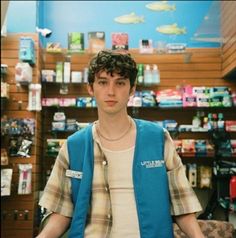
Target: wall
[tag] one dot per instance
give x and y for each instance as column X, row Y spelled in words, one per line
column 21, row 16
column 14, row 207
column 85, row 16
column 228, row 9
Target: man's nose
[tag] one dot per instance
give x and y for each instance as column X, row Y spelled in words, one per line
column 111, row 89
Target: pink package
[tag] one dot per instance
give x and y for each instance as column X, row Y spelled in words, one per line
column 189, row 100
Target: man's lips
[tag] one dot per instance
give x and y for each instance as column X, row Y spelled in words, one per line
column 110, row 102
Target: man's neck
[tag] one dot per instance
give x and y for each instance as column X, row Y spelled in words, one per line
column 113, row 125
column 121, row 128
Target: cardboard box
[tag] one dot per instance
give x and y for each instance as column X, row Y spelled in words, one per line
column 120, row 41
column 75, row 42
column 96, row 41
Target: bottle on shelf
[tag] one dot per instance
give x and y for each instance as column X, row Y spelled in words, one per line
column 214, row 120
column 220, row 122
column 155, row 75
column 205, row 123
column 137, row 101
column 85, row 75
column 196, row 122
column 147, row 75
column 210, row 122
column 140, row 75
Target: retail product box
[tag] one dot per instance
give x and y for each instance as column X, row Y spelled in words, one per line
column 50, row 102
column 178, row 146
column 67, row 102
column 202, row 100
column 189, row 100
column 204, row 176
column 120, row 41
column 188, row 147
column 48, row 75
column 76, row 77
column 23, row 73
column 96, row 41
column 192, row 174
column 53, row 47
column 176, row 48
column 76, row 42
column 4, row 68
column 145, row 46
column 230, row 126
column 85, row 102
column 26, row 50
column 233, row 147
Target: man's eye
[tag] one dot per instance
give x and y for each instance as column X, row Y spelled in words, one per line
column 102, row 82
column 121, row 83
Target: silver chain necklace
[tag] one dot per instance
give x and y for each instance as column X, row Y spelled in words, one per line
column 116, row 139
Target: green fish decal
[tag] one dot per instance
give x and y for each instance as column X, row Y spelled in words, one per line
column 160, row 6
column 131, row 18
column 171, row 29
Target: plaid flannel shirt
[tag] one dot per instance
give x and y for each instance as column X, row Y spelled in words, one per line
column 57, row 193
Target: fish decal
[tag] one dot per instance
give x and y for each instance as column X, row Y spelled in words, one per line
column 160, row 6
column 171, row 29
column 131, row 18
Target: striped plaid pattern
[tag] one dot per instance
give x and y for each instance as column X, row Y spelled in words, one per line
column 57, row 193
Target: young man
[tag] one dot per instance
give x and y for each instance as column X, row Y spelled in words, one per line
column 119, row 177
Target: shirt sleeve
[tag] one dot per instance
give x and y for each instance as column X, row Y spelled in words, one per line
column 183, row 198
column 57, row 193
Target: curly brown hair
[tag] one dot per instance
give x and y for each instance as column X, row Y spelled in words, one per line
column 113, row 62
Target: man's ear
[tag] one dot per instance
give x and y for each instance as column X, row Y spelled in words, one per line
column 90, row 89
column 132, row 90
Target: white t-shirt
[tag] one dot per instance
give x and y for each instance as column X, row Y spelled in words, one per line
column 124, row 212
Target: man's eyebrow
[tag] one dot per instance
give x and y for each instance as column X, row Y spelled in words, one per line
column 121, row 78
column 101, row 77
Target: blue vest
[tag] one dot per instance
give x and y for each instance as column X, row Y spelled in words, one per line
column 149, row 176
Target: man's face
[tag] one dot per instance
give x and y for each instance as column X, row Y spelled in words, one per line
column 111, row 92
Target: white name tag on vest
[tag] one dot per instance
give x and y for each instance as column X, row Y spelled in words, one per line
column 153, row 163
column 74, row 174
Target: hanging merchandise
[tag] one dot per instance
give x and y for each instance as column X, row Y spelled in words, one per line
column 26, row 50
column 23, row 74
column 6, row 177
column 34, row 97
column 4, row 157
column 25, row 179
column 24, row 148
column 4, row 90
